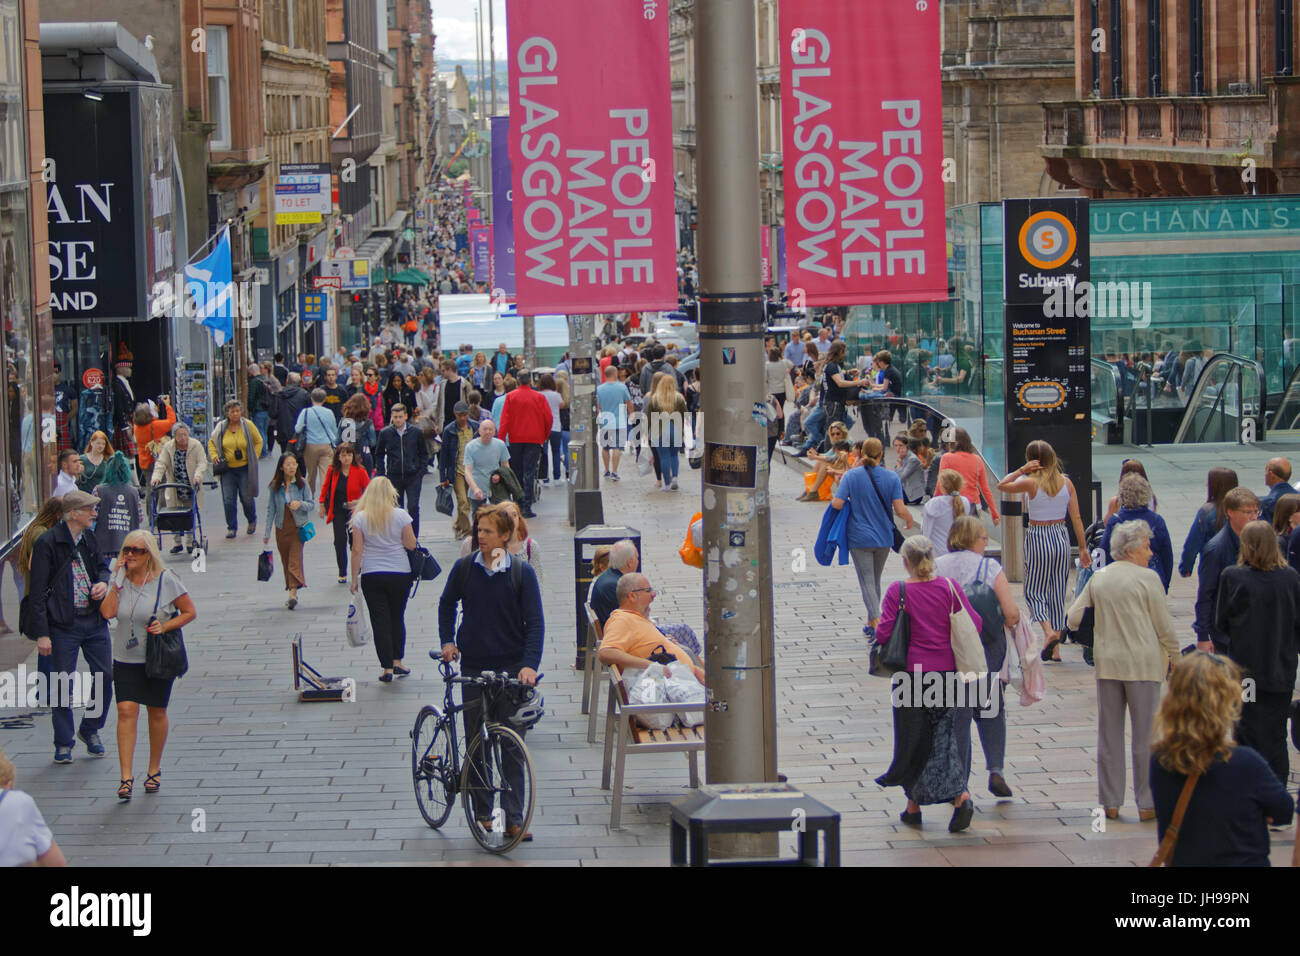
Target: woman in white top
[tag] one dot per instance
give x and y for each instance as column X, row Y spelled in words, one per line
column 966, row 564
column 942, row 510
column 552, row 395
column 777, row 377
column 520, row 545
column 1052, row 499
column 426, row 395
column 381, row 538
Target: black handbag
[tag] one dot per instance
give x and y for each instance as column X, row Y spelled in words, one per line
column 888, row 660
column 164, row 654
column 660, row 655
column 444, row 503
column 264, row 566
column 889, row 513
column 424, row 567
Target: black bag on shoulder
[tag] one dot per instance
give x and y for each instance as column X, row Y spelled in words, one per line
column 165, row 657
column 888, row 660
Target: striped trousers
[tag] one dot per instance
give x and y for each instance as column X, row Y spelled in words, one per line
column 1047, row 571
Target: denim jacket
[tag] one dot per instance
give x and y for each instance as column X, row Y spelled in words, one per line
column 1198, row 535
column 277, row 498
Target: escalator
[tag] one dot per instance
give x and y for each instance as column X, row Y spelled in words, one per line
column 1286, row 418
column 1226, row 404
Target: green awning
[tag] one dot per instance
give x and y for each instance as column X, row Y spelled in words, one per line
column 378, row 276
column 410, row 277
column 420, row 272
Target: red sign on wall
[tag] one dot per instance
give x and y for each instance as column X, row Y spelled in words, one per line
column 591, row 153
column 863, row 135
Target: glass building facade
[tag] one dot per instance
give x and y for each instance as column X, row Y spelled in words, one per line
column 1223, row 274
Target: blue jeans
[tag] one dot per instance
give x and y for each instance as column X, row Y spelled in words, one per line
column 235, row 482
column 262, row 420
column 87, row 634
column 669, row 458
column 815, row 427
column 564, row 450
column 553, row 442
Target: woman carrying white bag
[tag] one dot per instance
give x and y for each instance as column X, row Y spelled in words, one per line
column 358, row 631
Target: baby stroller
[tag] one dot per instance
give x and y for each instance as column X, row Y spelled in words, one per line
column 181, row 519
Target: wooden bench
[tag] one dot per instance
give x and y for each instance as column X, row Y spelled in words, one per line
column 623, row 736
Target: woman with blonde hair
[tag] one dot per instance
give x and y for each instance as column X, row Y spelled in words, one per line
column 381, row 536
column 928, row 763
column 1052, row 500
column 94, row 462
column 140, row 594
column 941, row 511
column 1259, row 611
column 478, row 372
column 1133, row 643
column 1235, row 796
column 667, row 410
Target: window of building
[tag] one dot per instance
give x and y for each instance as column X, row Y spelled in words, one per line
column 1116, row 47
column 1154, row 82
column 219, row 87
column 392, row 14
column 1196, row 45
column 1282, row 33
column 1094, row 24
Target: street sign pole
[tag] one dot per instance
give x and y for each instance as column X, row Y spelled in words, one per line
column 740, row 720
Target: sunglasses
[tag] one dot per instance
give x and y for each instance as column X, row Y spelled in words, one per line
column 129, row 549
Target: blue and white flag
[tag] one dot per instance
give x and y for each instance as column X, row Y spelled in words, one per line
column 209, row 282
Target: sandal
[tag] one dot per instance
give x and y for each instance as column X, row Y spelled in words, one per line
column 1048, row 648
column 124, row 791
column 151, row 783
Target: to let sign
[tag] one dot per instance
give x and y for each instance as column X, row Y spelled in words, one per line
column 591, row 155
column 862, row 125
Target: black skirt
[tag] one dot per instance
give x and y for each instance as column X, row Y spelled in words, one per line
column 132, row 684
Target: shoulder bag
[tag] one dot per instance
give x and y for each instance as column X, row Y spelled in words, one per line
column 967, row 648
column 1165, row 854
column 219, row 464
column 165, row 657
column 889, row 513
column 888, row 660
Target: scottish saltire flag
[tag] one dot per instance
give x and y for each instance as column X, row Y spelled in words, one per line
column 209, row 281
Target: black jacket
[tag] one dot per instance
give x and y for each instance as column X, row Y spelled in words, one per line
column 1219, row 553
column 291, row 400
column 401, row 458
column 49, row 557
column 1260, row 613
column 449, row 454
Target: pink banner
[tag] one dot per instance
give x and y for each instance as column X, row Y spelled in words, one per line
column 863, row 133
column 591, row 151
column 765, row 254
column 473, row 216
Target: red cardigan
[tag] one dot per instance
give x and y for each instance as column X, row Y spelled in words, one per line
column 357, row 481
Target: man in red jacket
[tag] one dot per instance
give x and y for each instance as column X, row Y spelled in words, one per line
column 525, row 427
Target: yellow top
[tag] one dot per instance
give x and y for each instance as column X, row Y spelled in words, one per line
column 234, row 446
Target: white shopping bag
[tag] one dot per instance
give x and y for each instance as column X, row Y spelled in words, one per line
column 682, row 688
column 649, row 688
column 358, row 627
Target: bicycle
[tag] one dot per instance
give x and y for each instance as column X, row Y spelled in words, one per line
column 492, row 758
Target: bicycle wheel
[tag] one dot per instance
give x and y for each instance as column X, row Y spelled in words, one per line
column 498, row 789
column 432, row 767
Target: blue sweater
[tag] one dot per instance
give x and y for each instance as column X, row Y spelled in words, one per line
column 1162, row 549
column 1225, row 820
column 496, row 632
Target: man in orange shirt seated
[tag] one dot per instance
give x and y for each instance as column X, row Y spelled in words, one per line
column 629, row 636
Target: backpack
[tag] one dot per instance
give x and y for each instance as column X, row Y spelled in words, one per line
column 992, row 624
column 516, row 573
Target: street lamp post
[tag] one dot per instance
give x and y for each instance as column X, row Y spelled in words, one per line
column 740, row 720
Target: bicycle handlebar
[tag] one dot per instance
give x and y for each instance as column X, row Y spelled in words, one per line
column 485, row 679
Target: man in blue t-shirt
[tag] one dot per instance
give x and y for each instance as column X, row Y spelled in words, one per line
column 615, row 405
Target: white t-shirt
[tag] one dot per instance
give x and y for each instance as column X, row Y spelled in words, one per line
column 552, row 396
column 384, row 551
column 778, row 376
column 24, row 837
column 135, row 607
column 937, row 521
column 962, row 566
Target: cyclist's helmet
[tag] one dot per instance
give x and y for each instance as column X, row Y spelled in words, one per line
column 530, row 709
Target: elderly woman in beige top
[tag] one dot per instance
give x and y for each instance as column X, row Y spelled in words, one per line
column 1134, row 644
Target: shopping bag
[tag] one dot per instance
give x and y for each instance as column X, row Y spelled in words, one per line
column 645, row 464
column 650, row 688
column 445, row 503
column 681, row 687
column 967, row 648
column 265, row 565
column 358, row 630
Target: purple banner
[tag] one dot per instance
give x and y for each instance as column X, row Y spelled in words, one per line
column 780, row 258
column 503, row 215
column 479, row 237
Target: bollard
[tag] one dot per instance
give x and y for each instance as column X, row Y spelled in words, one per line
column 1013, row 538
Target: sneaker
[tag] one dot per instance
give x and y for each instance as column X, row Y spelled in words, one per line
column 177, row 549
column 529, row 513
column 869, row 632
column 232, row 533
column 63, row 755
column 252, row 526
column 605, row 475
column 613, row 476
column 93, row 745
column 998, row 786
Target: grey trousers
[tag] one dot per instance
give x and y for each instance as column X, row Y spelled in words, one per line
column 992, row 727
column 870, row 565
column 1140, row 699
